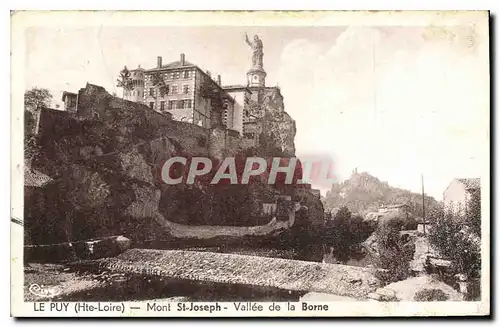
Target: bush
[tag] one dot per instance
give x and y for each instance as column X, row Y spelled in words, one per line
column 429, row 295
column 345, row 231
column 394, row 254
column 410, row 223
column 455, row 237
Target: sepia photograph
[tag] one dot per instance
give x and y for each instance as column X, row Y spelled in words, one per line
column 250, row 164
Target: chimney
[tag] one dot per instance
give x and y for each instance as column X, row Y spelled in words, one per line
column 218, row 80
column 209, row 74
column 159, row 62
column 183, row 59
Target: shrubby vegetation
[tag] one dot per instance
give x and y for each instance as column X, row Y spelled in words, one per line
column 456, row 235
column 342, row 233
column 395, row 252
column 430, row 295
column 345, row 231
column 34, row 100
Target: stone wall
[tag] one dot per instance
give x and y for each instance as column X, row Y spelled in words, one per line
column 50, row 121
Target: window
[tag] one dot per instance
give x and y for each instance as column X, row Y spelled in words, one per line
column 187, row 104
column 151, row 92
column 186, row 74
column 172, row 104
column 176, row 75
column 174, row 89
column 151, row 105
column 186, row 89
column 162, row 105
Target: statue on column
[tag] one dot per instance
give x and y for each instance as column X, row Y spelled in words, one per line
column 257, row 52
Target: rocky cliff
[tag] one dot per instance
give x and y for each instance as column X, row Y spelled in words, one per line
column 106, row 165
column 277, row 127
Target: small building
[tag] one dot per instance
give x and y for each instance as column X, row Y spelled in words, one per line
column 460, row 191
column 35, row 179
column 241, row 95
column 70, row 101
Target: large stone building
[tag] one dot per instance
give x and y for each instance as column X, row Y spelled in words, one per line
column 253, row 111
column 186, row 91
column 460, row 191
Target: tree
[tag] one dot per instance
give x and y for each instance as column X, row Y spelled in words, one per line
column 125, row 81
column 395, row 252
column 473, row 213
column 346, row 230
column 457, row 236
column 160, row 86
column 210, row 91
column 34, row 100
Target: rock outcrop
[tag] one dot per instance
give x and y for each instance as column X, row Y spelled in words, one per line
column 106, row 165
column 406, row 290
column 278, row 124
column 277, row 127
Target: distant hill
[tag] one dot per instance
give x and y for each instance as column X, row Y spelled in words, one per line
column 362, row 193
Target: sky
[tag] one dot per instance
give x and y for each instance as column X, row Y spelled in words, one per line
column 396, row 102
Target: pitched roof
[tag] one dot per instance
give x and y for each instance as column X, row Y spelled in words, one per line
column 34, row 178
column 470, row 183
column 400, row 205
column 236, row 87
column 172, row 65
column 187, row 64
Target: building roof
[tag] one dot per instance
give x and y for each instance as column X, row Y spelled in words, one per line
column 401, row 205
column 139, row 68
column 178, row 64
column 470, row 183
column 236, row 87
column 34, row 178
column 173, row 65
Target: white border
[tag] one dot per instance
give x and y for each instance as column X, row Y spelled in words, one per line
column 215, row 5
